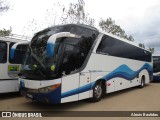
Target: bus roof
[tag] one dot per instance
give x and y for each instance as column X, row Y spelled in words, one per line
column 157, row 54
column 78, row 25
column 14, row 38
column 100, row 31
column 69, row 26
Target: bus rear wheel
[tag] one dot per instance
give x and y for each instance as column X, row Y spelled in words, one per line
column 97, row 92
column 142, row 82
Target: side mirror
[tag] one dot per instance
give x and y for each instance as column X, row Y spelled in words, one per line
column 13, row 48
column 52, row 39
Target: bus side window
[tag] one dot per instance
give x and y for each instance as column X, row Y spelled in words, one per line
column 114, row 47
column 3, row 52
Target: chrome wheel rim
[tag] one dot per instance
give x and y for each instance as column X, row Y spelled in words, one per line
column 97, row 91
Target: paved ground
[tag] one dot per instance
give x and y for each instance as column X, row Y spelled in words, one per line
column 133, row 99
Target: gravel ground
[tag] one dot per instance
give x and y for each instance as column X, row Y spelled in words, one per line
column 133, row 99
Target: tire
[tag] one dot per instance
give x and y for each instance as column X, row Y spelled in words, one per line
column 142, row 82
column 97, row 92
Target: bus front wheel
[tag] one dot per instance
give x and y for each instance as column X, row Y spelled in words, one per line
column 97, row 92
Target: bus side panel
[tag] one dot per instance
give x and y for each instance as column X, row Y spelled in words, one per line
column 121, row 83
column 125, row 72
column 135, row 82
column 4, row 71
column 84, row 85
column 69, row 90
column 9, row 86
column 110, row 86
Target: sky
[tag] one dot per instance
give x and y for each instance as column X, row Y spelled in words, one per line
column 139, row 18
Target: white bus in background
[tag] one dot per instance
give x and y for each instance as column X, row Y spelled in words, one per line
column 9, row 68
column 73, row 62
column 156, row 67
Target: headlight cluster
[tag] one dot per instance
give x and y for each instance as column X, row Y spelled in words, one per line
column 44, row 90
column 48, row 89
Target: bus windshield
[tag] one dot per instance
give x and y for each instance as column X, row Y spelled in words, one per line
column 69, row 53
column 156, row 64
column 19, row 53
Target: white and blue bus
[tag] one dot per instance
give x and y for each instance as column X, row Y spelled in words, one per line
column 156, row 67
column 9, row 68
column 73, row 62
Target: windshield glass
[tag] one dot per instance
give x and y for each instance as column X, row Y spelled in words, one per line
column 19, row 53
column 156, row 64
column 69, row 53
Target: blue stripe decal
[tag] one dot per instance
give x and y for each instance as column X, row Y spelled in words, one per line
column 122, row 71
column 125, row 72
column 78, row 90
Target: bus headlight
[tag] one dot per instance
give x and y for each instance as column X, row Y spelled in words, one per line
column 49, row 88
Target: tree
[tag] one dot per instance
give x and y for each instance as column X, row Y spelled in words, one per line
column 151, row 49
column 109, row 26
column 4, row 6
column 142, row 45
column 5, row 32
column 59, row 14
column 76, row 14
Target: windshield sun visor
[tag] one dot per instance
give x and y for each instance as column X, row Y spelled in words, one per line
column 52, row 39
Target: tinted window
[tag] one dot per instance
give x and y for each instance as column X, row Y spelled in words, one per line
column 156, row 63
column 112, row 46
column 77, row 49
column 3, row 52
column 71, row 58
column 86, row 40
column 19, row 54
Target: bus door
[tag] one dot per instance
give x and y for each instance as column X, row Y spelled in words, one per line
column 70, row 72
column 84, row 85
column 74, row 81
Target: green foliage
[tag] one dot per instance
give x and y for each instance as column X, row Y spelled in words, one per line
column 109, row 26
column 76, row 14
column 151, row 49
column 5, row 32
column 141, row 45
column 4, row 6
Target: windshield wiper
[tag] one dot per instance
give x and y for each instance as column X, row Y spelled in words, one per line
column 41, row 64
